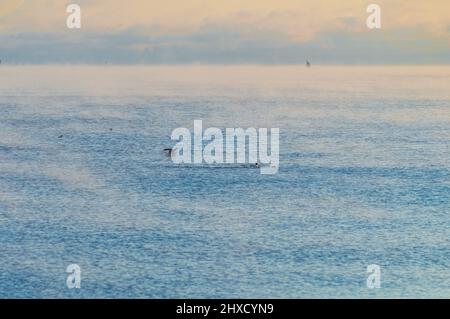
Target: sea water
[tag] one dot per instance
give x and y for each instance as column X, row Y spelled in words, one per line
column 364, row 178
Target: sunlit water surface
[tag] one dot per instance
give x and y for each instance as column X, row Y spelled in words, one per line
column 364, row 179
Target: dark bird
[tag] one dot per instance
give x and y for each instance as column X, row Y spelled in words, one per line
column 61, row 136
column 308, row 64
column 169, row 151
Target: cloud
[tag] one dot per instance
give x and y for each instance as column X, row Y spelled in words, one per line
column 295, row 18
column 224, row 31
column 9, row 6
column 215, row 44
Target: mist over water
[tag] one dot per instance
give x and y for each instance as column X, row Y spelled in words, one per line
column 364, row 178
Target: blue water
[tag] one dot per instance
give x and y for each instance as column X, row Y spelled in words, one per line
column 364, row 179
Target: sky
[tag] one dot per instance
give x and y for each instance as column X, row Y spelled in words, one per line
column 225, row 31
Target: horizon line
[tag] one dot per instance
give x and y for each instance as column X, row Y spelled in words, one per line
column 5, row 64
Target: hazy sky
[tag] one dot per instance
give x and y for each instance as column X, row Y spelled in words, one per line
column 225, row 31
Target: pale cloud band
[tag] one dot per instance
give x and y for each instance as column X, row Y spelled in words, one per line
column 227, row 31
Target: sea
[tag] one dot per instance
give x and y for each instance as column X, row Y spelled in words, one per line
column 363, row 179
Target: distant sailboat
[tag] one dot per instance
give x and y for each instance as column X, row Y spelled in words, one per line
column 308, row 64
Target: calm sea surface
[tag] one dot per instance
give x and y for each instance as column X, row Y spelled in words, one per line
column 364, row 179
